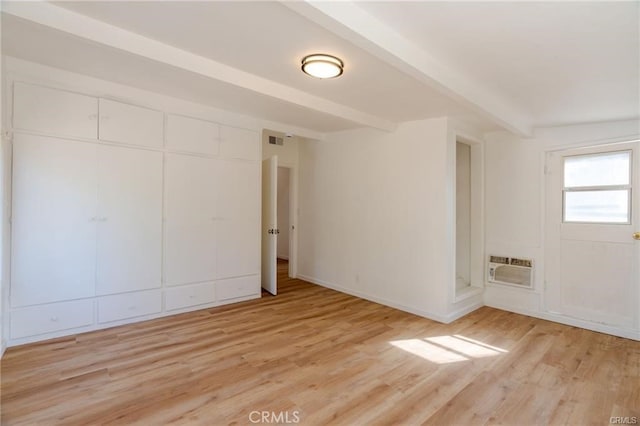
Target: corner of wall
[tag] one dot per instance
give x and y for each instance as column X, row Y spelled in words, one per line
column 356, row 180
column 3, row 198
column 287, row 152
column 460, row 131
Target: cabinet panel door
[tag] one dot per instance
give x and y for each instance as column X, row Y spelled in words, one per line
column 130, row 124
column 238, row 248
column 239, row 190
column 190, row 219
column 192, row 135
column 43, row 319
column 191, row 295
column 54, row 111
column 129, row 220
column 238, row 287
column 238, row 219
column 54, row 228
column 238, row 143
column 130, row 305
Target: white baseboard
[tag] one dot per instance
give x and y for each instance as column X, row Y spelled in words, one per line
column 380, row 300
column 464, row 311
column 566, row 320
column 601, row 328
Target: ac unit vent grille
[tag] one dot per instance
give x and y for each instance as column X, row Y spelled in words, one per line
column 499, row 259
column 520, row 262
column 511, row 271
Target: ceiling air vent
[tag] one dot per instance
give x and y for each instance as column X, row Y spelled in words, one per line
column 274, row 140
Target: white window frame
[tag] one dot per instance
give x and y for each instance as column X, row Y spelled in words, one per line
column 595, row 188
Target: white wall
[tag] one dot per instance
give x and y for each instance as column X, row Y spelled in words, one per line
column 515, row 206
column 5, row 231
column 283, row 212
column 287, row 152
column 376, row 215
column 4, row 227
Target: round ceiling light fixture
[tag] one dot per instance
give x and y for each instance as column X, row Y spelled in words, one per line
column 320, row 65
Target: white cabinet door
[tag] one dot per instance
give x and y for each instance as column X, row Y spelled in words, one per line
column 190, row 219
column 129, row 305
column 54, row 111
column 190, row 295
column 130, row 124
column 238, row 287
column 129, row 220
column 42, row 319
column 238, row 248
column 238, row 219
column 239, row 190
column 54, row 213
column 238, row 143
column 192, row 135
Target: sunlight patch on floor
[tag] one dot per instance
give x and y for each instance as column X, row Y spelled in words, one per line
column 447, row 349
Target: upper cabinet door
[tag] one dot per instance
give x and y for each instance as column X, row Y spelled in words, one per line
column 129, row 220
column 55, row 112
column 192, row 135
column 130, row 124
column 54, row 220
column 238, row 143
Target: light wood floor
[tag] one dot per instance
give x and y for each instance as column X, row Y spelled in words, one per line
column 325, row 358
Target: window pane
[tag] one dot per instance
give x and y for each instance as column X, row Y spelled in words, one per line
column 597, row 206
column 611, row 168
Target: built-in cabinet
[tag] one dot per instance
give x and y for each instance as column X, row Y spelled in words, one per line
column 54, row 112
column 190, row 219
column 192, row 135
column 238, row 204
column 54, row 220
column 129, row 220
column 122, row 213
column 130, row 124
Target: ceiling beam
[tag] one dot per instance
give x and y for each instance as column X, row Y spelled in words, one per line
column 109, row 35
column 349, row 21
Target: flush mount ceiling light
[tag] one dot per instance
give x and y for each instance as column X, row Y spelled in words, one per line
column 322, row 66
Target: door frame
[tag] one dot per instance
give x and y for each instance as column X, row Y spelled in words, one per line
column 552, row 237
column 293, row 217
column 477, row 217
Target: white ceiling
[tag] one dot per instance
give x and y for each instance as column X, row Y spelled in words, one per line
column 495, row 65
column 561, row 62
column 41, row 44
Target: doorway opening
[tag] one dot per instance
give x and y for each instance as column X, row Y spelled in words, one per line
column 463, row 216
column 279, row 206
column 283, row 250
column 284, row 224
column 469, row 252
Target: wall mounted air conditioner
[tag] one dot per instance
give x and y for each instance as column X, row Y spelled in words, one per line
column 511, row 271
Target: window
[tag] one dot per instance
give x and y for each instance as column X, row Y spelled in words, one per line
column 597, row 188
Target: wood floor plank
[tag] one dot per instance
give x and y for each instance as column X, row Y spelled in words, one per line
column 329, row 358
